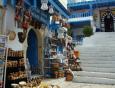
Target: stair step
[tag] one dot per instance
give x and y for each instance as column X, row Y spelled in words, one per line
column 94, row 74
column 96, row 69
column 98, row 65
column 96, row 62
column 97, row 58
column 99, row 55
column 94, row 80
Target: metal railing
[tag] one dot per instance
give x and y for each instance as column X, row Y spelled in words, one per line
column 81, row 14
column 84, row 2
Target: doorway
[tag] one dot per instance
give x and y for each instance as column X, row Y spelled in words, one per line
column 109, row 22
column 32, row 52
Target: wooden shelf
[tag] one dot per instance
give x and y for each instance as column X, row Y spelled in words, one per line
column 47, row 67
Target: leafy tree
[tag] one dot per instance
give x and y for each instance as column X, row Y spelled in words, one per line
column 87, row 31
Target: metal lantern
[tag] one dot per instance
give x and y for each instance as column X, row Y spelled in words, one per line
column 61, row 32
column 51, row 11
column 44, row 5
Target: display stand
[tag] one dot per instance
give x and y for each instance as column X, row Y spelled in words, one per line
column 3, row 59
column 15, row 70
column 52, row 64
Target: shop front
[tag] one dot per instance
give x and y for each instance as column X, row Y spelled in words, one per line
column 23, row 27
column 107, row 19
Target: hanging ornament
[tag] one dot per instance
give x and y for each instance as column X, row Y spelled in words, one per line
column 18, row 12
column 25, row 25
column 51, row 11
column 60, row 32
column 17, row 16
column 44, row 5
column 27, row 15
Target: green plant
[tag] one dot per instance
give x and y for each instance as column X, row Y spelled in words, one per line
column 87, row 31
column 69, row 32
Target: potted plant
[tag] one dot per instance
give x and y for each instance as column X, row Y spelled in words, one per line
column 87, row 31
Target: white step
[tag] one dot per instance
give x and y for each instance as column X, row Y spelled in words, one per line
column 98, row 58
column 97, row 62
column 95, row 74
column 96, row 69
column 96, row 50
column 98, row 65
column 94, row 80
column 99, row 55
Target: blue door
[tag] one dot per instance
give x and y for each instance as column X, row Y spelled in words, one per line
column 32, row 50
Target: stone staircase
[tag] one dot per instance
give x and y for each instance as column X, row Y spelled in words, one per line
column 97, row 59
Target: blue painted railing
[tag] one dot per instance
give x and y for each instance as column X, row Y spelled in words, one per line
column 82, row 14
column 4, row 2
column 72, row 3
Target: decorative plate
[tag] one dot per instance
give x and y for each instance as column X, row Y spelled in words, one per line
column 12, row 35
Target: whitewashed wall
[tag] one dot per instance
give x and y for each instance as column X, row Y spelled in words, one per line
column 9, row 25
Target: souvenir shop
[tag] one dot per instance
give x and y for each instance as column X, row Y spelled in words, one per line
column 30, row 51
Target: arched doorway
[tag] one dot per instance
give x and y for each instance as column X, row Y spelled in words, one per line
column 32, row 52
column 108, row 22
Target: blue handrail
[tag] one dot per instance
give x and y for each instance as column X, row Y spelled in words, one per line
column 81, row 14
column 72, row 3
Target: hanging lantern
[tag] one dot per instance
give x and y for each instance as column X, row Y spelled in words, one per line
column 49, row 34
column 61, row 33
column 51, row 11
column 44, row 5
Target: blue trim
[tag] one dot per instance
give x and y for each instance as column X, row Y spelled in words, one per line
column 13, row 3
column 95, row 3
column 35, row 3
column 4, row 2
column 81, row 14
column 91, row 9
column 80, row 22
column 38, row 14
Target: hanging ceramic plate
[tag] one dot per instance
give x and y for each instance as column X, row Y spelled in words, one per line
column 21, row 37
column 12, row 35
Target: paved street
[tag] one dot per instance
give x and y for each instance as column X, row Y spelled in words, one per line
column 65, row 84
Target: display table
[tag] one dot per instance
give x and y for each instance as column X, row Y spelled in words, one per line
column 42, row 85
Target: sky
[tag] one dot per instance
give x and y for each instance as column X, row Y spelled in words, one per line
column 64, row 2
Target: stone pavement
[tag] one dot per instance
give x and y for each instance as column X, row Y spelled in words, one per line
column 68, row 84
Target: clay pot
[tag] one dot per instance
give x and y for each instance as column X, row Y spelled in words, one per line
column 21, row 37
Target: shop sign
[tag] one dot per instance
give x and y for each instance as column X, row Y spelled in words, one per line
column 39, row 15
